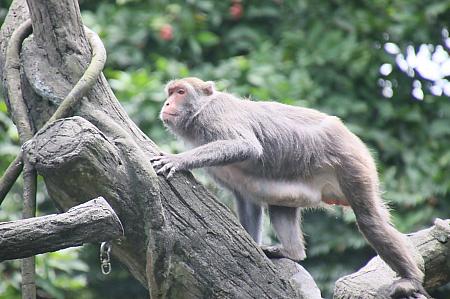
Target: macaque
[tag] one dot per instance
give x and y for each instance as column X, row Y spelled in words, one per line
column 285, row 158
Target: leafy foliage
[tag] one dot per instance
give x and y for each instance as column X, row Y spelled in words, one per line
column 321, row 54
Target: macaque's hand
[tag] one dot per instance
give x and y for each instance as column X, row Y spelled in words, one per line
column 168, row 163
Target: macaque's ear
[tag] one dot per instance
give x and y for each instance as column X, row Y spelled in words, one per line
column 209, row 88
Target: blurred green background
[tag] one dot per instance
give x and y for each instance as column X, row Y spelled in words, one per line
column 380, row 65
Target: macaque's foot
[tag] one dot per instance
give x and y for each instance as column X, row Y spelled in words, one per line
column 408, row 289
column 280, row 252
column 167, row 164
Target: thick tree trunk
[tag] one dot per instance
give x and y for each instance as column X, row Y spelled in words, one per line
column 179, row 241
column 93, row 221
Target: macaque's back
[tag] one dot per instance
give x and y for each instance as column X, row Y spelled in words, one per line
column 295, row 140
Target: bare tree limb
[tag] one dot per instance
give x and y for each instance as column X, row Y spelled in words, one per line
column 24, row 127
column 28, row 211
column 10, row 176
column 12, row 20
column 93, row 221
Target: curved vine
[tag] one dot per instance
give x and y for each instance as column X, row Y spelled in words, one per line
column 18, row 106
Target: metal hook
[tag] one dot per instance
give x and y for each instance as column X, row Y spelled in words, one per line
column 105, row 259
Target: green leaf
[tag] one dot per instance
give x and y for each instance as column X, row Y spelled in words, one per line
column 207, row 38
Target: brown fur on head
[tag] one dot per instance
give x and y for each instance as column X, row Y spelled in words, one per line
column 184, row 97
column 205, row 87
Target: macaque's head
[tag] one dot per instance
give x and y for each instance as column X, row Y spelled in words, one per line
column 184, row 98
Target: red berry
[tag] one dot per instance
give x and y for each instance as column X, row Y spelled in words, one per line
column 236, row 10
column 166, row 32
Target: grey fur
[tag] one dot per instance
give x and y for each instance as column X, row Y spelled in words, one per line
column 252, row 148
column 251, row 216
column 285, row 221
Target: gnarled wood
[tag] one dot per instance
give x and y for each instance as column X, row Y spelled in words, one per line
column 93, row 221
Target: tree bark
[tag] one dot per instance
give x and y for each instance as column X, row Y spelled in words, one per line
column 179, row 241
column 93, row 221
column 374, row 279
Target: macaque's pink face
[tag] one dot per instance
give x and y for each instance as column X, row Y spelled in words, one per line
column 172, row 106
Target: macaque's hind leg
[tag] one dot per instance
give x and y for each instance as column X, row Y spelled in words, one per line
column 286, row 223
column 250, row 217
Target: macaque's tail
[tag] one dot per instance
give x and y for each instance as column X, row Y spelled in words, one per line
column 360, row 186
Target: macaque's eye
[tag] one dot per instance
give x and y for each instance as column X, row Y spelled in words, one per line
column 181, row 91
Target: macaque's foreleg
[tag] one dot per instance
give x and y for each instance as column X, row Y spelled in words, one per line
column 215, row 153
column 286, row 223
column 250, row 216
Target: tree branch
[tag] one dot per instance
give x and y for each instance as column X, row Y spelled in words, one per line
column 10, row 176
column 93, row 221
column 19, row 112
